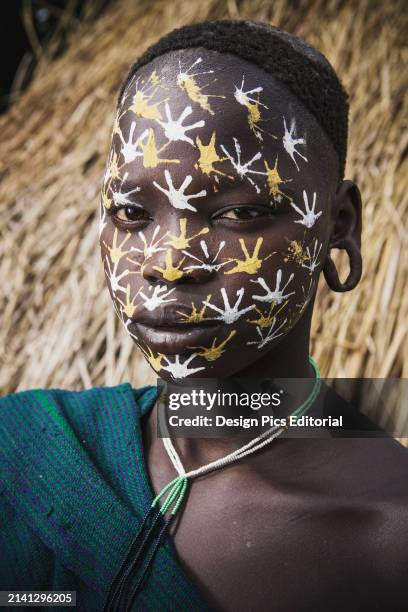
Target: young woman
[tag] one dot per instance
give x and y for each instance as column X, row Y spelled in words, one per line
column 223, row 194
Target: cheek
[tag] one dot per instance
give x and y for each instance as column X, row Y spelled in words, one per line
column 122, row 269
column 275, row 287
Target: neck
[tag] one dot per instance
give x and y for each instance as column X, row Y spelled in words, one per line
column 290, row 359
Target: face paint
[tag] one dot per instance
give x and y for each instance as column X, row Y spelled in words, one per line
column 129, row 149
column 179, row 369
column 188, row 83
column 171, row 272
column 252, row 263
column 181, row 241
column 214, row 351
column 175, row 130
column 102, row 219
column 230, row 313
column 177, row 197
column 252, row 104
column 308, row 217
column 243, row 169
column 306, row 295
column 271, row 334
column 195, row 316
column 123, row 199
column 276, row 295
column 129, row 307
column 311, row 262
column 193, row 163
column 274, row 181
column 212, row 265
column 208, row 157
column 289, row 142
column 157, row 298
column 141, row 106
column 152, row 247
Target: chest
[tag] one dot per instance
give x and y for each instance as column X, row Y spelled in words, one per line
column 246, row 547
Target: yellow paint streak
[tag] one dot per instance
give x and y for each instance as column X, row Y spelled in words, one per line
column 296, row 253
column 254, row 118
column 170, row 272
column 129, row 307
column 265, row 321
column 194, row 92
column 106, row 200
column 155, row 362
column 116, row 126
column 142, row 108
column 209, row 156
column 195, row 315
column 115, row 251
column 254, row 115
column 181, row 241
column 214, row 352
column 252, row 263
column 274, row 180
column 114, row 167
column 154, row 79
column 151, row 157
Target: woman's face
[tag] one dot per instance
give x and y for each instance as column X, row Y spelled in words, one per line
column 214, row 213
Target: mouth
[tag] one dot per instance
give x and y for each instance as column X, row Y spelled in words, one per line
column 175, row 338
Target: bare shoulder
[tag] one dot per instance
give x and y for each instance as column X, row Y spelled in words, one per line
column 376, row 466
column 369, row 465
column 371, row 502
column 347, row 503
column 385, row 495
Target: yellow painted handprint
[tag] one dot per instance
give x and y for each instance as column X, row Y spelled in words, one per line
column 252, row 263
column 214, row 352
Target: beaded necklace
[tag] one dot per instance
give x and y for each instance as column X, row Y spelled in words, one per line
column 157, row 519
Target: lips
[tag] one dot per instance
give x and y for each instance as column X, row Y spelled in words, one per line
column 170, row 316
column 165, row 332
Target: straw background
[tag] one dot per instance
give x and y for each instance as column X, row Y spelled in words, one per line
column 58, row 327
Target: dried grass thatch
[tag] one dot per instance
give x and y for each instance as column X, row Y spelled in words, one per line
column 58, row 326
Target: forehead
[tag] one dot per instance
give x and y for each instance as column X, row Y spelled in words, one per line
column 197, row 111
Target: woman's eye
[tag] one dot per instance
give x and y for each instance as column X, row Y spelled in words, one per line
column 242, row 213
column 130, row 214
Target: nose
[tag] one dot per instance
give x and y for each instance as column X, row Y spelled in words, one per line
column 174, row 267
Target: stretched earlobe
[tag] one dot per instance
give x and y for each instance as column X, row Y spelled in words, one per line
column 356, row 267
column 346, row 235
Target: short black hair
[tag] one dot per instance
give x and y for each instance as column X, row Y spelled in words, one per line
column 304, row 70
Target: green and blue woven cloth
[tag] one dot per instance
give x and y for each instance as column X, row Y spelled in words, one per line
column 73, row 490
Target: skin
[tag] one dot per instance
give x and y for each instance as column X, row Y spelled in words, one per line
column 303, row 524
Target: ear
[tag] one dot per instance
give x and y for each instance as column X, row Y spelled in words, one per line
column 345, row 234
